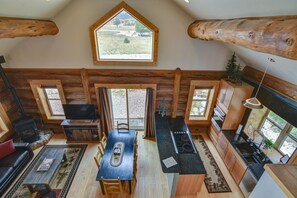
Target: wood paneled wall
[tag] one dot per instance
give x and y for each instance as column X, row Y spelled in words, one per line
column 78, row 85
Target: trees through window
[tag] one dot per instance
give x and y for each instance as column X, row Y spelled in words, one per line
column 280, row 132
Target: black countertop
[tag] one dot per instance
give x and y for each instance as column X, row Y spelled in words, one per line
column 187, row 163
column 232, row 137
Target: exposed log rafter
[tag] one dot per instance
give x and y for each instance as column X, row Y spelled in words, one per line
column 273, row 35
column 16, row 27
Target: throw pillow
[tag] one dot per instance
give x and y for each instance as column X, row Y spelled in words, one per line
column 6, row 148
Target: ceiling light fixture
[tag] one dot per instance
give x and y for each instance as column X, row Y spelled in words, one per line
column 187, row 1
column 254, row 103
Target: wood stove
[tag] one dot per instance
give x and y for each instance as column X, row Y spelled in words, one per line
column 25, row 126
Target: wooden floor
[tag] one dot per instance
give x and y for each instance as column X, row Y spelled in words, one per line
column 151, row 181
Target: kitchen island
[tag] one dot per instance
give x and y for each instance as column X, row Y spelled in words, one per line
column 187, row 176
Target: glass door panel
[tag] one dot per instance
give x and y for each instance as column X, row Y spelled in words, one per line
column 136, row 108
column 119, row 106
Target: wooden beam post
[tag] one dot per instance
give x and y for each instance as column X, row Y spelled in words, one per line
column 273, row 35
column 177, row 79
column 17, row 27
column 85, row 83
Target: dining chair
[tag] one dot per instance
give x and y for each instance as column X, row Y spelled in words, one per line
column 112, row 186
column 98, row 157
column 104, row 139
column 122, row 127
column 101, row 148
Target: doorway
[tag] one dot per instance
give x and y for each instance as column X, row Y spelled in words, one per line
column 128, row 106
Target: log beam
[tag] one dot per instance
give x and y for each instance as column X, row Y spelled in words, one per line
column 273, row 35
column 16, row 27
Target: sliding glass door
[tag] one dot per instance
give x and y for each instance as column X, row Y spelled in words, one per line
column 128, row 106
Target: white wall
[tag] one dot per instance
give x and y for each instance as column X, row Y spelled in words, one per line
column 282, row 68
column 71, row 47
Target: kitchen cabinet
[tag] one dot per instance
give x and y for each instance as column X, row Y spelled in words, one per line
column 230, row 101
column 229, row 158
column 213, row 134
column 225, row 95
column 222, row 145
column 232, row 160
column 238, row 169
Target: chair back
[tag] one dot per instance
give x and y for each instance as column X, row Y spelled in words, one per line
column 122, row 127
column 98, row 157
column 104, row 139
column 112, row 186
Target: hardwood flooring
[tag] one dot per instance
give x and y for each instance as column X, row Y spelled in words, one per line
column 151, row 181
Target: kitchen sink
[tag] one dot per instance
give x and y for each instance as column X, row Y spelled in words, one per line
column 250, row 153
column 252, row 159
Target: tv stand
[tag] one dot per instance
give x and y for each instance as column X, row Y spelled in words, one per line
column 81, row 131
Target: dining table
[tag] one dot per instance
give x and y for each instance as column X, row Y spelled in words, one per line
column 124, row 170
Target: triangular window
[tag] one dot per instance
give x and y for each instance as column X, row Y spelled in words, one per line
column 124, row 37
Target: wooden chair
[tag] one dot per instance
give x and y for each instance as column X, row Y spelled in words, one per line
column 104, row 139
column 112, row 186
column 98, row 157
column 101, row 148
column 122, row 127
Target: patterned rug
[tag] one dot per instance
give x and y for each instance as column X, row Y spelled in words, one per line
column 214, row 179
column 63, row 179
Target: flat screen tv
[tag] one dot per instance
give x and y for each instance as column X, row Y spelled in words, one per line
column 79, row 111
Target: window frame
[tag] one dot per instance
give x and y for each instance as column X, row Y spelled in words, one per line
column 48, row 101
column 285, row 132
column 126, row 86
column 213, row 85
column 132, row 62
column 40, row 96
column 207, row 101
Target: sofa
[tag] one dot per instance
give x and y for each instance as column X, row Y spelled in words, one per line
column 12, row 164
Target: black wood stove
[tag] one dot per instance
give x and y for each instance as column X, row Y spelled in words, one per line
column 25, row 126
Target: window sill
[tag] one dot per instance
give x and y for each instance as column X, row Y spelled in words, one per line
column 55, row 119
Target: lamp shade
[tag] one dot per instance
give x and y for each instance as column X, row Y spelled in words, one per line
column 252, row 103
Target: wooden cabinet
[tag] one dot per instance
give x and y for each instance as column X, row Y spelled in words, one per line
column 213, row 134
column 230, row 101
column 238, row 169
column 81, row 130
column 225, row 95
column 229, row 158
column 222, row 145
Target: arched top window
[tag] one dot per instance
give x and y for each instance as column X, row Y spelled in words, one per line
column 124, row 37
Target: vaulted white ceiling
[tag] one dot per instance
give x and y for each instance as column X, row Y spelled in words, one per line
column 198, row 9
column 35, row 9
column 225, row 9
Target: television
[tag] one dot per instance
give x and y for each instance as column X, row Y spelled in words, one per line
column 79, row 111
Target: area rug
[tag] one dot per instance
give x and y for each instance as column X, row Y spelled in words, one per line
column 214, row 179
column 63, row 179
